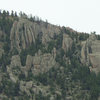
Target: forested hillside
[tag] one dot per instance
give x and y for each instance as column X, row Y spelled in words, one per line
column 41, row 61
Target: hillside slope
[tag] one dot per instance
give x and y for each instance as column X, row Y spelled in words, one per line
column 41, row 61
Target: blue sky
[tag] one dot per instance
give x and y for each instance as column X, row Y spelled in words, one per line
column 81, row 15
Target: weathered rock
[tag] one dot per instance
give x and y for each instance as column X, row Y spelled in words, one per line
column 90, row 53
column 15, row 61
column 84, row 52
column 54, row 52
column 67, row 42
column 95, row 62
column 24, row 33
column 27, row 86
column 37, row 64
column 14, row 68
column 29, row 62
column 49, row 32
column 40, row 62
column 12, row 74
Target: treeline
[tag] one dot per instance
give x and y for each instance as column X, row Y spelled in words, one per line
column 16, row 15
column 4, row 13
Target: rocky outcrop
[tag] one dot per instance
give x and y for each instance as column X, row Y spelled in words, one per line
column 26, row 86
column 31, row 85
column 14, row 69
column 15, row 61
column 22, row 34
column 67, row 42
column 29, row 62
column 49, row 32
column 90, row 53
column 40, row 62
column 25, row 32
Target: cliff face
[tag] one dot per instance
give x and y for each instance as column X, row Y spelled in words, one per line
column 24, row 33
column 90, row 53
column 67, row 43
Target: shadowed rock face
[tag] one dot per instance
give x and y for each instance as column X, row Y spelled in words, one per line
column 24, row 33
column 90, row 53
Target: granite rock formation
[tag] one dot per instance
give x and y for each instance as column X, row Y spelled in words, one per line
column 90, row 53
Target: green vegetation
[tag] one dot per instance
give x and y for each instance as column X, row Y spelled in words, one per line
column 69, row 78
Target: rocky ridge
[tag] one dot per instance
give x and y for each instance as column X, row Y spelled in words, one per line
column 24, row 33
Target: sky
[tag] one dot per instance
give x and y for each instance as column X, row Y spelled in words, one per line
column 81, row 15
